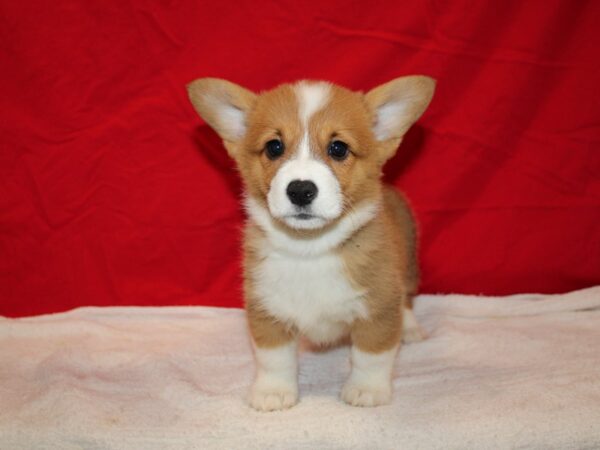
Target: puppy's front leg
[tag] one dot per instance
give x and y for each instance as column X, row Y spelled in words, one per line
column 276, row 354
column 375, row 344
column 276, row 383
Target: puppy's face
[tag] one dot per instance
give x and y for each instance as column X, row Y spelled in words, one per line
column 311, row 151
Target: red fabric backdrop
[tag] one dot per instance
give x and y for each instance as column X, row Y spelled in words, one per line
column 113, row 192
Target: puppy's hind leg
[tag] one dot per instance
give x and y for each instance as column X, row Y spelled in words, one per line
column 411, row 330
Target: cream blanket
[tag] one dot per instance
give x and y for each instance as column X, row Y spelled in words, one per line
column 510, row 372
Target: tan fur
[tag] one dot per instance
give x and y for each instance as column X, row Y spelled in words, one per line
column 381, row 257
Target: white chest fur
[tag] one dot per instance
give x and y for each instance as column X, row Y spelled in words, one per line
column 303, row 282
column 311, row 292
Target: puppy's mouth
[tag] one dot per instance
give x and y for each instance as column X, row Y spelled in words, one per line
column 304, row 220
column 303, row 216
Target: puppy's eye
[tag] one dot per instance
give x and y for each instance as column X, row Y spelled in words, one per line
column 338, row 150
column 274, row 148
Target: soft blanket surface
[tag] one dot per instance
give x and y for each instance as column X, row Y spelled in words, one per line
column 511, row 372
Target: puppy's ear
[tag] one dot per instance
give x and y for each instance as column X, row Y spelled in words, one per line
column 398, row 104
column 223, row 105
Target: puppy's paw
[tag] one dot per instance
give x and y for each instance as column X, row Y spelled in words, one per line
column 360, row 394
column 263, row 398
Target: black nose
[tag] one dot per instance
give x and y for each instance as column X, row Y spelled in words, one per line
column 301, row 193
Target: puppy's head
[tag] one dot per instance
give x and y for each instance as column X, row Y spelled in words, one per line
column 311, row 151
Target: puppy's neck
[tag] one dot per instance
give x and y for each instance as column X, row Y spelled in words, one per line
column 316, row 242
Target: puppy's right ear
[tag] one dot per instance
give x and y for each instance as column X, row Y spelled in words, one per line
column 223, row 105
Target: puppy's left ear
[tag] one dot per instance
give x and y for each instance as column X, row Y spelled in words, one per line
column 396, row 105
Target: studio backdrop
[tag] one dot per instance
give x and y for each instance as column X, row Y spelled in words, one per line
column 114, row 192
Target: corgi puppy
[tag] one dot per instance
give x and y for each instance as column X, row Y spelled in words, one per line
column 329, row 251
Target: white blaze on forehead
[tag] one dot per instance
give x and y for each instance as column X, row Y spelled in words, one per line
column 312, row 96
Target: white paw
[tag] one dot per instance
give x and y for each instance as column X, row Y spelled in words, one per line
column 413, row 334
column 357, row 394
column 270, row 399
